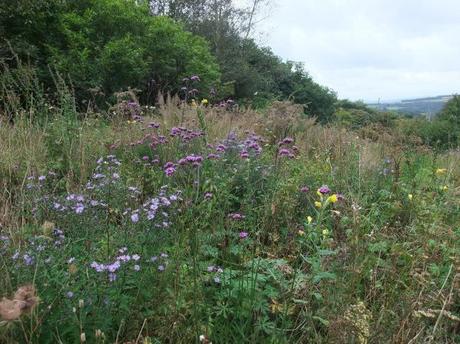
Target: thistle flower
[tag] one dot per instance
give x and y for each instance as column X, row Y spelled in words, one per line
column 304, row 189
column 324, row 190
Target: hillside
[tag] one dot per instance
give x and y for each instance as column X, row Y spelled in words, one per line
column 428, row 106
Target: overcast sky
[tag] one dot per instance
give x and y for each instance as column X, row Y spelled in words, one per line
column 370, row 49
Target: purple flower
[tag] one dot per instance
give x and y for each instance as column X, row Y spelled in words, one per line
column 79, row 208
column 243, row 235
column 211, row 268
column 153, row 259
column 137, row 267
column 28, row 260
column 208, row 195
column 324, row 190
column 244, row 154
column 135, row 217
column 236, row 216
column 195, row 78
column 304, row 189
column 287, row 140
column 161, row 268
column 284, row 152
column 217, row 280
column 136, row 257
column 71, row 260
column 153, row 125
column 112, row 277
column 41, row 178
column 124, row 258
column 69, row 294
column 114, row 266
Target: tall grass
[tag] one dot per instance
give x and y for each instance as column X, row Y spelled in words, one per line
column 242, row 245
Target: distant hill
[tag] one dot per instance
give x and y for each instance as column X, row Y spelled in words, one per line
column 428, row 107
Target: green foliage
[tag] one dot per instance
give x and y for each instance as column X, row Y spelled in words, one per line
column 356, row 115
column 451, row 112
column 110, row 46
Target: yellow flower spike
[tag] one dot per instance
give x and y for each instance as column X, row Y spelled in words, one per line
column 318, row 204
column 309, row 219
column 410, row 196
column 441, row 171
column 332, row 198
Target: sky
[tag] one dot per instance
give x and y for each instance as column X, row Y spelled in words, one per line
column 369, row 49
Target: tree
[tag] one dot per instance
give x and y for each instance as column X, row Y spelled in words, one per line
column 111, row 45
column 451, row 112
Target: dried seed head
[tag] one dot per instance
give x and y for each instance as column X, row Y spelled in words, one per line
column 23, row 301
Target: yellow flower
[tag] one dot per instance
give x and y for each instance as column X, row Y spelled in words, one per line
column 410, row 196
column 204, row 101
column 441, row 171
column 193, row 103
column 318, row 204
column 309, row 219
column 301, row 233
column 325, row 232
column 332, row 198
column 445, row 188
column 131, row 122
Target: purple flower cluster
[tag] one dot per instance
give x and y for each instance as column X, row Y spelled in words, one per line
column 217, row 273
column 194, row 160
column 186, row 135
column 286, row 148
column 169, row 168
column 107, row 172
column 112, row 268
column 156, row 209
column 40, row 181
column 250, row 147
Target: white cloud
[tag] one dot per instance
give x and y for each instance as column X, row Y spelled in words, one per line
column 370, row 49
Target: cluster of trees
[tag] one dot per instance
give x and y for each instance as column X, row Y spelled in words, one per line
column 107, row 46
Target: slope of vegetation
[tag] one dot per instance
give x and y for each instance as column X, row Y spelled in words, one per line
column 200, row 223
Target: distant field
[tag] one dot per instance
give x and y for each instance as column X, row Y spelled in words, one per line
column 420, row 106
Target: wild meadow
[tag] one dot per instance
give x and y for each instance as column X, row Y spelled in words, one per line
column 164, row 178
column 192, row 222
